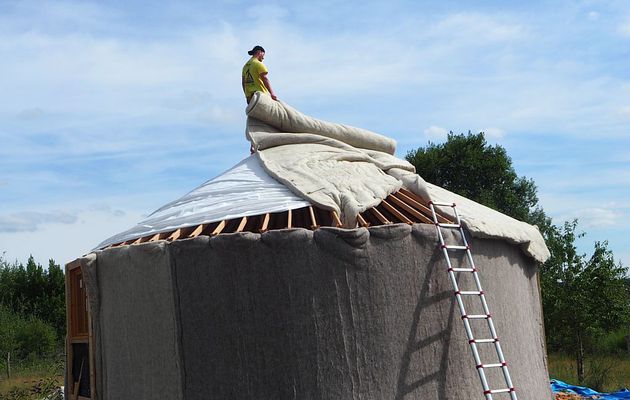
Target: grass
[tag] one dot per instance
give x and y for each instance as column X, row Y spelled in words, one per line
column 603, row 373
column 29, row 376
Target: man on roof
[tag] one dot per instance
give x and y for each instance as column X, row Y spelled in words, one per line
column 254, row 77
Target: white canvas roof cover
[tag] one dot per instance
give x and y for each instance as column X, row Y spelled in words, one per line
column 243, row 190
column 301, row 160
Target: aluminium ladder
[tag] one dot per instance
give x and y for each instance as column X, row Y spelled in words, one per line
column 480, row 293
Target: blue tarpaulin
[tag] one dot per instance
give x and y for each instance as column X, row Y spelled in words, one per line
column 559, row 386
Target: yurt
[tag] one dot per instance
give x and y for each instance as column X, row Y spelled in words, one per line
column 320, row 267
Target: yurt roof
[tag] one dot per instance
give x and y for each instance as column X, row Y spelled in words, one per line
column 310, row 173
column 246, row 199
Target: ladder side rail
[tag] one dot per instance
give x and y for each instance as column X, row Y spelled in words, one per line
column 480, row 367
column 500, row 355
column 462, row 309
column 434, row 214
column 467, row 327
column 473, row 347
column 493, row 332
column 457, row 219
column 486, row 308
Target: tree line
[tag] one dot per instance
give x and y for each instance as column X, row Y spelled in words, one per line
column 32, row 310
column 586, row 299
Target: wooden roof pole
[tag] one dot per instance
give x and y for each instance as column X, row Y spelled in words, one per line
column 154, row 238
column 406, row 196
column 265, row 223
column 175, row 235
column 241, row 225
column 409, row 209
column 336, row 219
column 379, row 216
column 396, row 213
column 197, row 231
column 362, row 221
column 313, row 219
column 219, row 228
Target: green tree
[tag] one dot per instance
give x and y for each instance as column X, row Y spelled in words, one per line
column 583, row 298
column 21, row 337
column 468, row 166
column 9, row 323
column 54, row 307
column 35, row 337
column 32, row 290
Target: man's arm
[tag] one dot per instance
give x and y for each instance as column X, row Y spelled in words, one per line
column 265, row 80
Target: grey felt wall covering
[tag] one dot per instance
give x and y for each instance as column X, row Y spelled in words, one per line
column 298, row 314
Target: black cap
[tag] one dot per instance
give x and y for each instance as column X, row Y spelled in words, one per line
column 255, row 49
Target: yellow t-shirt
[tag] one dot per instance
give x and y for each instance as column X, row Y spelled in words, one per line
column 252, row 79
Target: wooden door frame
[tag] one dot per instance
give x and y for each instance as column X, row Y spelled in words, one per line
column 71, row 340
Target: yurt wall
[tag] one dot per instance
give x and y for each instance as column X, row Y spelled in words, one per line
column 294, row 313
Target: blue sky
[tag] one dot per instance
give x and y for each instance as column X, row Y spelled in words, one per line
column 112, row 109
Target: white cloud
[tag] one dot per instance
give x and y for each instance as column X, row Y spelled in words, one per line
column 30, row 114
column 624, row 111
column 562, row 176
column 435, row 133
column 107, row 75
column 591, row 212
column 598, row 217
column 219, row 114
column 65, row 242
column 624, row 258
column 187, row 99
column 624, row 28
column 33, row 220
column 478, row 27
column 107, row 209
column 140, row 77
column 494, row 133
column 593, row 15
column 58, row 15
column 90, row 60
column 266, row 12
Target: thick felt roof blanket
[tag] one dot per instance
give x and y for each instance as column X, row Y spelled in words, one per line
column 350, row 170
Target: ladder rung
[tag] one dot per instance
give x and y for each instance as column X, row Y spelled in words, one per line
column 483, row 340
column 477, row 316
column 498, row 365
column 493, row 391
column 469, row 292
column 449, row 225
column 442, row 204
column 462, row 269
column 454, row 247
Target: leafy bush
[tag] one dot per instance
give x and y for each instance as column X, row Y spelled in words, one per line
column 614, row 342
column 35, row 337
column 31, row 290
column 9, row 323
column 598, row 372
column 25, row 336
